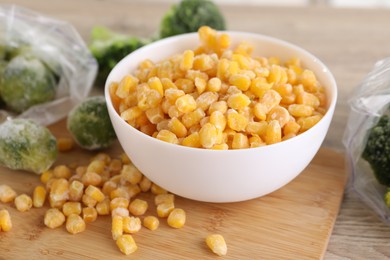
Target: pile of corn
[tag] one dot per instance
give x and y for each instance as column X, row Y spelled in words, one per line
column 106, row 186
column 220, row 97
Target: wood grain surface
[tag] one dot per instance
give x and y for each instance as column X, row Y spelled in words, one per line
column 349, row 41
column 295, row 222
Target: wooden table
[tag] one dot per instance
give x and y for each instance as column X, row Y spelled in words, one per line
column 349, row 41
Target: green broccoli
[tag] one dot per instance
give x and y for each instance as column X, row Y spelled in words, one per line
column 377, row 150
column 90, row 124
column 189, row 15
column 109, row 48
column 25, row 145
column 27, row 81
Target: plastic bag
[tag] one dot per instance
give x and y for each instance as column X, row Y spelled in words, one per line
column 369, row 102
column 61, row 48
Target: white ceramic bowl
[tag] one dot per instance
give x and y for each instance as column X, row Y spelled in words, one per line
column 223, row 175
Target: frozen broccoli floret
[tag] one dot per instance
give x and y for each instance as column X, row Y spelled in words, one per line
column 189, row 15
column 109, row 48
column 25, row 145
column 377, row 150
column 27, row 81
column 90, row 124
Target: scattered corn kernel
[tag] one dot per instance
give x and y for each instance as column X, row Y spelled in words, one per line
column 5, row 220
column 126, row 244
column 7, row 194
column 177, row 218
column 54, row 218
column 138, row 207
column 117, row 227
column 23, row 202
column 65, row 144
column 131, row 225
column 95, row 193
column 165, row 208
column 151, row 222
column 89, row 214
column 217, row 244
column 75, row 224
column 70, row 208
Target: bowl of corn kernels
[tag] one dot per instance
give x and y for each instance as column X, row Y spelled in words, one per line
column 221, row 116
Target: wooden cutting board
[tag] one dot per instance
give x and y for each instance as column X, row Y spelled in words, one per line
column 294, row 222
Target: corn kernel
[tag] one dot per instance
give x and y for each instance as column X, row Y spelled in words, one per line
column 192, row 140
column 71, row 208
column 126, row 244
column 187, row 60
column 76, row 190
column 185, row 103
column 167, row 136
column 39, row 196
column 273, row 133
column 54, row 218
column 94, row 193
column 240, row 141
column 308, row 122
column 236, row 121
column 59, row 192
column 192, row 118
column 238, row 101
column 88, row 201
column 164, row 198
column 65, row 144
column 217, row 244
column 177, row 127
column 156, row 190
column 122, row 212
column 75, row 224
column 165, row 208
column 5, row 221
column 103, row 207
column 291, row 127
column 177, row 218
column 46, row 176
column 89, row 214
column 206, row 99
column 62, row 171
column 155, row 83
column 131, row 224
column 138, row 207
column 119, row 203
column 280, row 114
column 208, row 135
column 151, row 222
column 7, row 194
column 299, row 110
column 117, row 227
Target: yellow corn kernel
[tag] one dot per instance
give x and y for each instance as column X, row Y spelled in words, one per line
column 76, row 190
column 125, row 158
column 167, row 136
column 102, row 157
column 131, row 224
column 114, row 98
column 185, row 103
column 206, row 99
column 138, row 207
column 289, row 136
column 7, row 194
column 236, row 121
column 260, row 111
column 187, row 60
column 39, row 196
column 164, row 70
column 122, row 212
column 89, row 214
column 203, row 62
column 145, row 184
column 155, row 115
column 177, row 127
column 214, row 85
column 224, row 41
column 131, row 114
column 218, row 119
column 126, row 244
column 277, row 75
column 119, row 192
column 309, row 99
column 119, row 203
column 115, row 166
column 273, row 133
column 151, row 222
column 117, row 227
column 88, row 201
column 259, row 86
column 192, row 118
column 71, row 208
column 75, row 224
column 173, row 94
column 173, row 111
column 46, row 176
column 238, row 101
column 256, row 141
column 308, row 122
column 220, row 106
column 62, row 171
column 177, row 218
column 270, row 99
column 164, row 198
column 146, row 64
column 241, row 81
column 23, row 202
column 54, row 218
column 200, row 85
column 280, row 114
column 91, row 178
column 186, row 85
column 156, row 190
column 94, row 193
column 257, row 128
column 167, row 84
column 5, row 221
column 309, row 81
column 192, row 140
column 103, row 207
column 291, row 127
column 155, row 83
column 208, row 135
column 299, row 110
column 217, row 244
column 240, row 141
column 126, row 85
column 59, row 192
column 147, row 98
column 65, row 144
column 81, row 170
column 222, row 146
column 109, row 186
column 165, row 208
column 130, row 174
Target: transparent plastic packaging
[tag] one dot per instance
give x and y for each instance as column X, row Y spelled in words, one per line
column 370, row 101
column 61, row 48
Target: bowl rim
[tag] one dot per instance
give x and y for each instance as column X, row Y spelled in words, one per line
column 329, row 112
